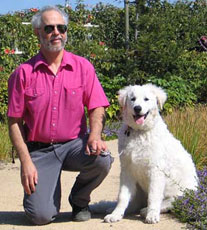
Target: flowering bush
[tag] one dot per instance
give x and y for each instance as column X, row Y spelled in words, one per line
column 111, row 130
column 192, row 207
column 163, row 52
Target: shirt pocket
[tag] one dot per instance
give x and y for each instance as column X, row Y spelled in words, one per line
column 35, row 99
column 73, row 98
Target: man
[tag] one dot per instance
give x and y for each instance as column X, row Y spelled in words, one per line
column 47, row 123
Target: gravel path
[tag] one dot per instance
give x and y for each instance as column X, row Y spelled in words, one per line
column 12, row 215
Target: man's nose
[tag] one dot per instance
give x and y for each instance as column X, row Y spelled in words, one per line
column 56, row 31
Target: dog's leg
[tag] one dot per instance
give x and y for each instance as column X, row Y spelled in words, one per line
column 138, row 202
column 127, row 191
column 155, row 197
column 167, row 205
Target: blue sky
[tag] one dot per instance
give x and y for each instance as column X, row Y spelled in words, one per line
column 16, row 5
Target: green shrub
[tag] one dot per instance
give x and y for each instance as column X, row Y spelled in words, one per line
column 179, row 91
column 162, row 54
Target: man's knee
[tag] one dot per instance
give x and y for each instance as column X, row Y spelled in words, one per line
column 104, row 164
column 40, row 217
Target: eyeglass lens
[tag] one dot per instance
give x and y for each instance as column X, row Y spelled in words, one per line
column 50, row 28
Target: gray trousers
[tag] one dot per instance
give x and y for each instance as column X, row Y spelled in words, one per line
column 43, row 205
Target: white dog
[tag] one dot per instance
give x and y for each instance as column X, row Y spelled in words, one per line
column 155, row 168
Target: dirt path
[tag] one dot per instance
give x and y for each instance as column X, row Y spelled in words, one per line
column 12, row 215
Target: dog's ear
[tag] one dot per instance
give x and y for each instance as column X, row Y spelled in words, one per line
column 159, row 93
column 122, row 96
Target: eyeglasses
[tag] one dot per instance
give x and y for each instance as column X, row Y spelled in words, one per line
column 50, row 28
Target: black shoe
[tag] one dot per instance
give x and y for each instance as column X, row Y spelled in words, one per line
column 80, row 213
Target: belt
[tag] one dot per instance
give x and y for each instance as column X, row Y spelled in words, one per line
column 35, row 145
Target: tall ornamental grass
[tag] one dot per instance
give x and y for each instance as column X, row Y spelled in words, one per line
column 5, row 144
column 189, row 125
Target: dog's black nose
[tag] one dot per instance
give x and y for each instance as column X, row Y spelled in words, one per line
column 137, row 109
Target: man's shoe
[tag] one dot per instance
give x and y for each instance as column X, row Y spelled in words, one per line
column 79, row 213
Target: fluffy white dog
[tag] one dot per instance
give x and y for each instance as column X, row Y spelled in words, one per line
column 155, row 168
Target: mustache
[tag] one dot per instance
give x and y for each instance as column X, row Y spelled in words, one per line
column 54, row 38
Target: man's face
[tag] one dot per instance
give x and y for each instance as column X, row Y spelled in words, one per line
column 54, row 39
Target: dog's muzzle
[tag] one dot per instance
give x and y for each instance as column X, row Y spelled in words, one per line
column 139, row 118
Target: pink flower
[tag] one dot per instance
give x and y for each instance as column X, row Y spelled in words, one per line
column 33, row 9
column 7, row 51
column 101, row 43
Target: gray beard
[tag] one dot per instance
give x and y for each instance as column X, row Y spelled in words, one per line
column 49, row 47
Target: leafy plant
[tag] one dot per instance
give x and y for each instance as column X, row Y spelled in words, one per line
column 191, row 208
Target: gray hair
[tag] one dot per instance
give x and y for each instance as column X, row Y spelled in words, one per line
column 37, row 18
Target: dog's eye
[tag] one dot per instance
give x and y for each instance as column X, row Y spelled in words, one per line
column 146, row 99
column 133, row 98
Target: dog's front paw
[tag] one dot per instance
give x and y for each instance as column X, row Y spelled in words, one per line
column 152, row 217
column 112, row 218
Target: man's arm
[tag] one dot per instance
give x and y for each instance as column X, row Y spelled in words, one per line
column 96, row 122
column 29, row 176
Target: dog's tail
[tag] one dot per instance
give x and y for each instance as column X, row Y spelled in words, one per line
column 103, row 207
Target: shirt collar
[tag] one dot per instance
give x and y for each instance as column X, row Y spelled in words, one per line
column 67, row 60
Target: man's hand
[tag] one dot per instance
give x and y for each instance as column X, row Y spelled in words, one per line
column 95, row 146
column 29, row 176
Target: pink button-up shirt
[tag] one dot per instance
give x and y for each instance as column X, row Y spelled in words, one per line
column 52, row 106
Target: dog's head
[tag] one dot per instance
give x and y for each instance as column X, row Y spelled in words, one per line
column 141, row 104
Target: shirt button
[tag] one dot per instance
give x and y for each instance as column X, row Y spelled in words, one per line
column 53, row 124
column 54, row 108
column 55, row 91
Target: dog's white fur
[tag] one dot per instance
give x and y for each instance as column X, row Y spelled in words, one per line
column 155, row 168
